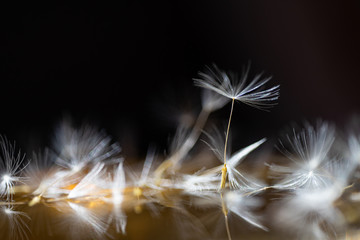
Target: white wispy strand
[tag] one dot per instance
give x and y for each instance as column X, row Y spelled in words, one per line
column 309, row 153
column 143, row 181
column 39, row 171
column 89, row 186
column 196, row 183
column 146, row 178
column 117, row 188
column 11, row 166
column 79, row 148
column 237, row 179
column 46, row 179
column 231, row 86
column 14, row 224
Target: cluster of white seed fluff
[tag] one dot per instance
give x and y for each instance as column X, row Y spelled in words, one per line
column 82, row 188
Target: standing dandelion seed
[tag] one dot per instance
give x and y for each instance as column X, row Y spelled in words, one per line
column 231, row 86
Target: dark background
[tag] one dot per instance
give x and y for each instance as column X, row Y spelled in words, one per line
column 128, row 67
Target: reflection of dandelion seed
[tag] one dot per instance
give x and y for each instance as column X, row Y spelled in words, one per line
column 117, row 188
column 236, row 204
column 13, row 224
column 89, row 222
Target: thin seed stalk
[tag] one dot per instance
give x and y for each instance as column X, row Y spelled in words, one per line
column 225, row 212
column 224, row 169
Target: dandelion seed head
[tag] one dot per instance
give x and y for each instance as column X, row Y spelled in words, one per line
column 8, row 211
column 6, row 178
column 309, row 153
column 231, row 86
column 75, row 168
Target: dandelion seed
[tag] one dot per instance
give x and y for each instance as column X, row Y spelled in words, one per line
column 11, row 165
column 232, row 87
column 45, row 179
column 309, row 153
column 79, row 148
column 236, row 178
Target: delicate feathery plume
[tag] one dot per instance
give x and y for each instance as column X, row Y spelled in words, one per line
column 309, row 155
column 77, row 148
column 40, row 170
column 11, row 166
column 90, row 185
column 237, row 179
column 46, row 179
column 231, row 86
column 13, row 224
column 197, row 183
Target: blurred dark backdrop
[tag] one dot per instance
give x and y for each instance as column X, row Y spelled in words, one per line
column 127, row 67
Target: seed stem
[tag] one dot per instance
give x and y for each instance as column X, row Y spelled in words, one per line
column 228, row 128
column 225, row 212
column 224, row 169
